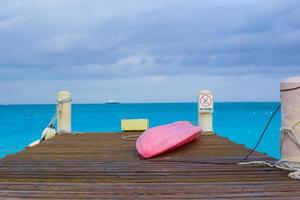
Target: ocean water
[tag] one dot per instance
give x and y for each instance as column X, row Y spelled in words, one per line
column 240, row 122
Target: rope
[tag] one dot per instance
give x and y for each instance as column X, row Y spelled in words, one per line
column 285, row 164
column 130, row 137
column 261, row 135
column 281, row 164
column 53, row 119
column 66, row 100
column 289, row 89
column 61, row 102
column 58, row 108
column 189, row 161
column 290, row 132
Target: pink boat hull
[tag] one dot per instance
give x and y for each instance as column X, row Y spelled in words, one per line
column 160, row 139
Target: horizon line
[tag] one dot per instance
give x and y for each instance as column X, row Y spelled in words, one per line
column 104, row 103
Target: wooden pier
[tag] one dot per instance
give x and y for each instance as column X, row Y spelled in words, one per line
column 105, row 166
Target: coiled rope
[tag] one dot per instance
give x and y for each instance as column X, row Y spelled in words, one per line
column 130, row 137
column 285, row 164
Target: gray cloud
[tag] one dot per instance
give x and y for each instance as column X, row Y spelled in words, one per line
column 123, row 40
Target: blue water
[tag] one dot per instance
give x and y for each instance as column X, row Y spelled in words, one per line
column 240, row 122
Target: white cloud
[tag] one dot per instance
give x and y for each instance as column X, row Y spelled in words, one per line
column 64, row 42
column 140, row 60
column 8, row 24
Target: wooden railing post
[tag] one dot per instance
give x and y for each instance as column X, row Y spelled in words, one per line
column 64, row 111
column 290, row 120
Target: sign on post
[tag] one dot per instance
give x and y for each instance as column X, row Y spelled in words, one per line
column 206, row 103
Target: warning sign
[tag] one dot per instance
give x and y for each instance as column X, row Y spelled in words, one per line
column 205, row 103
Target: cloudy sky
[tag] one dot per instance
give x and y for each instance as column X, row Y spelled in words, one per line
column 147, row 51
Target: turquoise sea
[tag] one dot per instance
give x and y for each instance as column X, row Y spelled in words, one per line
column 240, row 122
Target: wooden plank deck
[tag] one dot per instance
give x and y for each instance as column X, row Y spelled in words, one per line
column 104, row 166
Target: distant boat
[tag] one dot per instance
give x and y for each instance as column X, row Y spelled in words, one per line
column 112, row 102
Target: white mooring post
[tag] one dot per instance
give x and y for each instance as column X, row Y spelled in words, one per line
column 290, row 120
column 205, row 111
column 64, row 112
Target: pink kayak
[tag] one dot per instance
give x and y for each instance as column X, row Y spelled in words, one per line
column 160, row 139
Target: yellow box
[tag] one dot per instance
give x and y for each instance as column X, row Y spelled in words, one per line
column 134, row 124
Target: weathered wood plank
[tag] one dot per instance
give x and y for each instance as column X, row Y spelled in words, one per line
column 104, row 166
